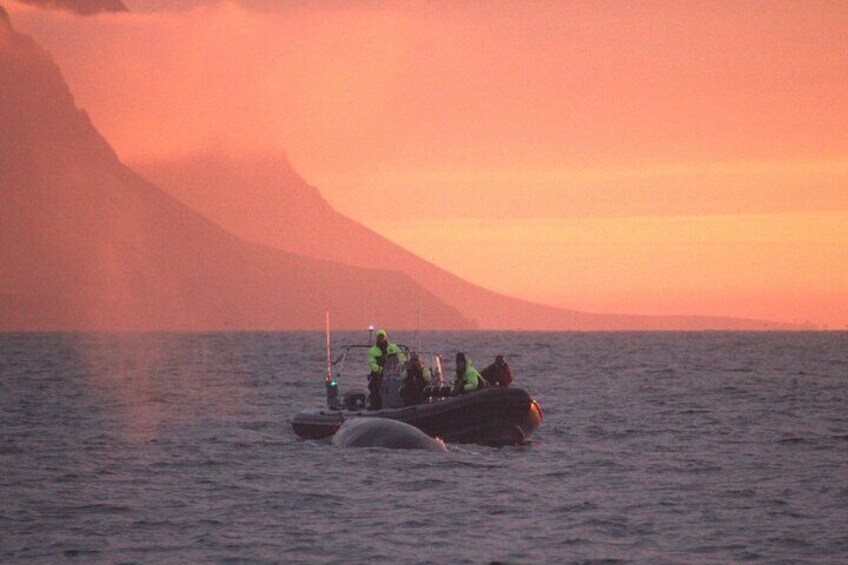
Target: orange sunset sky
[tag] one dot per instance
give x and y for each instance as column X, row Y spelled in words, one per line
column 630, row 157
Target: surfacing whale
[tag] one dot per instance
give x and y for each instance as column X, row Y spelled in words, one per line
column 381, row 432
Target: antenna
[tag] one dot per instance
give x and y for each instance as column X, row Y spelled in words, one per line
column 329, row 354
column 418, row 327
column 330, row 385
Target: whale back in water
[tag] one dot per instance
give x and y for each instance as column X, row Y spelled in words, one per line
column 381, row 432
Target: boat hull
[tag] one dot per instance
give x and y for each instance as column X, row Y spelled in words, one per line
column 491, row 416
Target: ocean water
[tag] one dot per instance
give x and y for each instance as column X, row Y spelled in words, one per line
column 655, row 448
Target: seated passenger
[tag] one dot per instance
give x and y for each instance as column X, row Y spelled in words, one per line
column 414, row 381
column 466, row 378
column 498, row 373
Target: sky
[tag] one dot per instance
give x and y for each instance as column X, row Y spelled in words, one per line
column 641, row 157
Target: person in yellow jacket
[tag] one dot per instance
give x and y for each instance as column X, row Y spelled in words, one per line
column 378, row 355
column 466, row 378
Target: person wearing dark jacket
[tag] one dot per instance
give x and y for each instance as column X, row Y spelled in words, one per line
column 416, row 378
column 498, row 373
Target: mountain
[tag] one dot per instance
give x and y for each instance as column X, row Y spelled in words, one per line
column 266, row 201
column 83, row 7
column 87, row 244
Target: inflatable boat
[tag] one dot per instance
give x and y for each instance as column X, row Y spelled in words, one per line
column 494, row 415
column 491, row 416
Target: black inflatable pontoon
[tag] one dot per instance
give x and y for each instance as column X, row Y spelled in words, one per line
column 491, row 416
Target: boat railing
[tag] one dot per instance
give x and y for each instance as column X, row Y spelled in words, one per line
column 339, row 361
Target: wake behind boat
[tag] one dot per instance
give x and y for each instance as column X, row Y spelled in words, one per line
column 492, row 415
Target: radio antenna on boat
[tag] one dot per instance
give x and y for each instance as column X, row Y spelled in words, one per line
column 329, row 354
column 418, row 327
column 330, row 384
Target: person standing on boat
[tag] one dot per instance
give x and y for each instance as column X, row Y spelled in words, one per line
column 466, row 378
column 498, row 373
column 416, row 378
column 377, row 356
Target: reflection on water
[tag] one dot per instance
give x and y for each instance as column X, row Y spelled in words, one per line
column 655, row 447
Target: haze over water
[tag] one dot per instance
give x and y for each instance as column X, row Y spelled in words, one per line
column 655, row 448
column 647, row 158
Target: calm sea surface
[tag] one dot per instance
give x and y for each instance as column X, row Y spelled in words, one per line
column 655, row 448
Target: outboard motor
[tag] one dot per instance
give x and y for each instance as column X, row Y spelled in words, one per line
column 436, row 392
column 430, row 393
column 355, row 400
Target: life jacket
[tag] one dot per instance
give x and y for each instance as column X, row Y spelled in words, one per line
column 377, row 357
column 470, row 373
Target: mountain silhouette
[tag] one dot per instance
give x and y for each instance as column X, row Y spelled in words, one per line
column 87, row 244
column 264, row 200
column 83, row 7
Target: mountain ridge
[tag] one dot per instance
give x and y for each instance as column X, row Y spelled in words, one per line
column 81, row 7
column 87, row 244
column 250, row 196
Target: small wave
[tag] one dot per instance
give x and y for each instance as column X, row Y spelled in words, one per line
column 787, row 514
column 428, row 483
column 743, row 493
column 238, row 444
column 791, row 542
column 415, row 523
column 301, row 384
column 696, row 467
column 10, row 449
column 150, row 523
column 257, row 425
column 99, row 508
column 576, row 507
column 795, row 440
column 733, row 547
column 471, row 464
column 615, row 525
column 80, row 552
column 663, row 371
column 612, row 464
column 695, row 411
